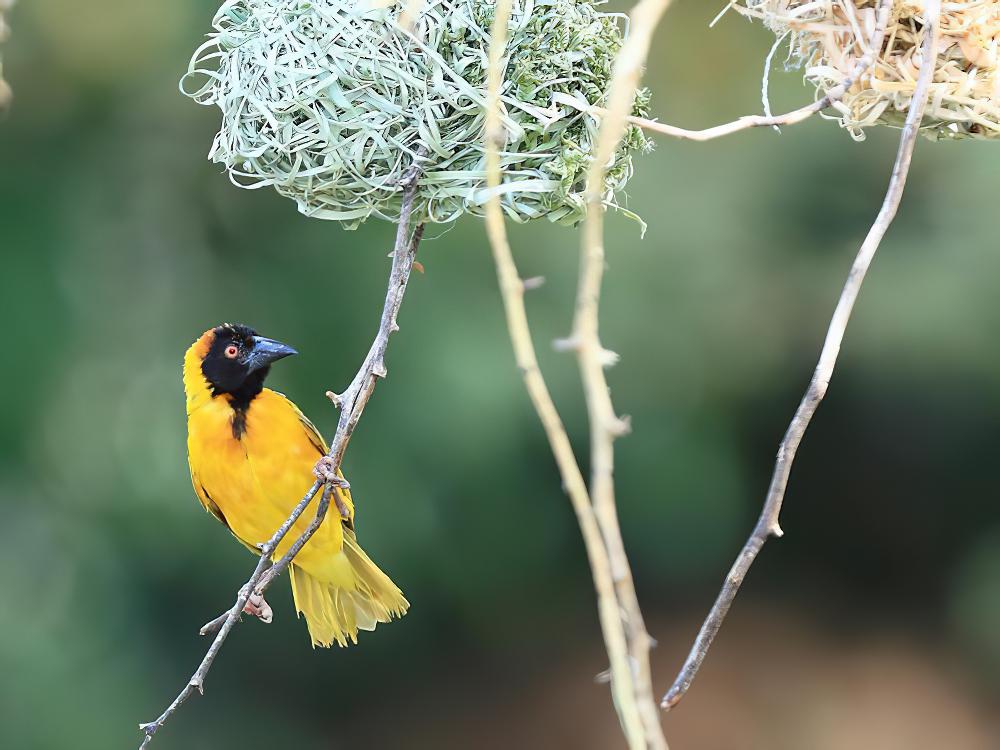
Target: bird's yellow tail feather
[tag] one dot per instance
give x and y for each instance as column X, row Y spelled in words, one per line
column 355, row 595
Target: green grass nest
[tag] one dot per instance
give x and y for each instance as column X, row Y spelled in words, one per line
column 330, row 101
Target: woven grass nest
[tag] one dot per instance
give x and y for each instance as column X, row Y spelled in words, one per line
column 330, row 101
column 826, row 37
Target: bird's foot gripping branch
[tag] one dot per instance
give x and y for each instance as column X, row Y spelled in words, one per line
column 329, row 484
column 328, row 470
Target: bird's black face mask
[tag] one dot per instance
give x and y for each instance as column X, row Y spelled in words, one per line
column 239, row 361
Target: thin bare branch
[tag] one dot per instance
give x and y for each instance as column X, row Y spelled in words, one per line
column 351, row 403
column 275, row 570
column 197, row 680
column 512, row 289
column 605, row 425
column 767, row 524
column 861, row 66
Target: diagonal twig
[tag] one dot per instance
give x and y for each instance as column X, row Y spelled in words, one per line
column 351, row 403
column 767, row 524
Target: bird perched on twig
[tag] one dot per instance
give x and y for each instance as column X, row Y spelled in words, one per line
column 251, row 453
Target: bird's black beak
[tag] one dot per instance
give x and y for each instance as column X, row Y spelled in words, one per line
column 265, row 351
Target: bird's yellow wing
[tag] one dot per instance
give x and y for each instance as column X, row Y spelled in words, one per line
column 314, row 437
column 321, row 449
column 206, row 500
column 210, row 505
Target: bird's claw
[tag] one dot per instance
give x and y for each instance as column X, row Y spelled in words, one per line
column 327, row 470
column 258, row 607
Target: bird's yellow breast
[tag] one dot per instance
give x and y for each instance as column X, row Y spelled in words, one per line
column 251, row 478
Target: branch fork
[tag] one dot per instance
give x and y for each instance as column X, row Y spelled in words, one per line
column 621, row 622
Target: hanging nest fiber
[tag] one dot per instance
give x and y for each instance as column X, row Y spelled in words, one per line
column 330, row 101
column 827, row 37
column 5, row 92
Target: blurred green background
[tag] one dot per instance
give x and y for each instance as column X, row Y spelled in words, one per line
column 875, row 623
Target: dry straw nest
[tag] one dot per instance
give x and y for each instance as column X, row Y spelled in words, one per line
column 330, row 101
column 826, row 37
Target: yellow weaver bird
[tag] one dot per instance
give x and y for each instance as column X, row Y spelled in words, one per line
column 252, row 453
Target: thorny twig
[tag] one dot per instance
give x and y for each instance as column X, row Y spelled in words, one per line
column 351, row 403
column 767, row 524
column 834, row 95
column 512, row 289
column 621, row 622
column 605, row 424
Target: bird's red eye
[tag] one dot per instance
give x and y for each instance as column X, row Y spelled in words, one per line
column 232, row 351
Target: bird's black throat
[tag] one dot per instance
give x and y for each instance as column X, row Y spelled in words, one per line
column 236, row 365
column 241, row 398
